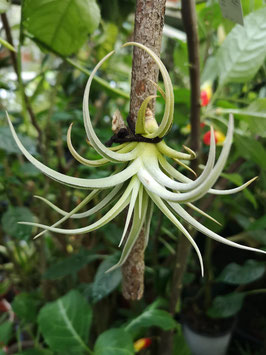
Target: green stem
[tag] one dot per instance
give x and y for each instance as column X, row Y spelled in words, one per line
column 255, row 292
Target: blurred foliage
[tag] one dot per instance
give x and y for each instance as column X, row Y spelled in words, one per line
column 54, row 292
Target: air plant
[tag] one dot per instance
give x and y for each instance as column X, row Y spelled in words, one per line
column 143, row 176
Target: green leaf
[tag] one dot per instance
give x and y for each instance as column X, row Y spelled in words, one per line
column 257, row 123
column 25, row 306
column 5, row 332
column 69, row 265
column 258, row 224
column 250, row 148
column 236, row 274
column 244, row 50
column 28, row 170
column 180, row 345
column 114, row 342
column 8, row 144
column 10, row 221
column 226, row 306
column 104, row 283
column 63, row 26
column 65, row 323
column 152, row 318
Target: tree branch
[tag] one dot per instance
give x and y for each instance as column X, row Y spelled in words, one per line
column 149, row 20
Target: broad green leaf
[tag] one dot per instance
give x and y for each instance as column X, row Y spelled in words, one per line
column 10, row 221
column 25, row 306
column 114, row 342
column 9, row 146
column 63, row 26
column 152, row 318
column 244, row 49
column 69, row 265
column 252, row 149
column 104, row 283
column 257, row 123
column 210, row 70
column 226, row 306
column 5, row 332
column 236, row 274
column 65, row 323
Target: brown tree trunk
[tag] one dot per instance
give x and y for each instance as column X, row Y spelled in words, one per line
column 149, row 20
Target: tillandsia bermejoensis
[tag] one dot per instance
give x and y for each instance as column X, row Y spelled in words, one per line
column 143, row 176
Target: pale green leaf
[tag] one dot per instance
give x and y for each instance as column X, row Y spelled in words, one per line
column 152, row 318
column 65, row 323
column 114, row 342
column 257, row 123
column 244, row 49
column 63, row 26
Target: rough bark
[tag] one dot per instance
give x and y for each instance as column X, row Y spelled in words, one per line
column 149, row 20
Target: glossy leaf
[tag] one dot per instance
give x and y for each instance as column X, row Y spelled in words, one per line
column 104, row 283
column 244, row 50
column 226, row 306
column 63, row 26
column 236, row 274
column 65, row 323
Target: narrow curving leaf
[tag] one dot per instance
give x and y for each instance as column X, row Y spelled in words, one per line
column 63, row 26
column 65, row 323
column 244, row 50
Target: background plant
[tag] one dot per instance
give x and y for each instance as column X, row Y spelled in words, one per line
column 41, row 86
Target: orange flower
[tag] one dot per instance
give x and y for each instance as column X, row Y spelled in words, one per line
column 206, row 93
column 142, row 343
column 219, row 137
